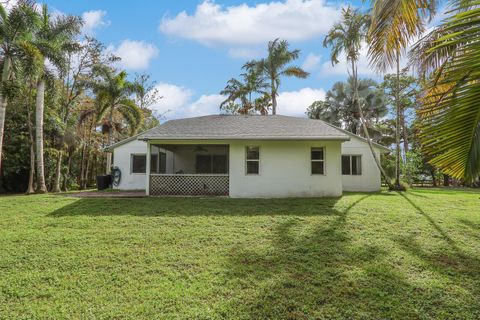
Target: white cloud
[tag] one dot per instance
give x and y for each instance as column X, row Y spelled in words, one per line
column 93, row 20
column 213, row 24
column 174, row 98
column 135, row 55
column 178, row 102
column 205, row 105
column 295, row 103
column 311, row 62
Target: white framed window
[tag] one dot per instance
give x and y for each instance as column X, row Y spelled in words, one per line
column 138, row 163
column 317, row 159
column 351, row 165
column 252, row 160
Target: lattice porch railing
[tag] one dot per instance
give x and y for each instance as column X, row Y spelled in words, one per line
column 189, row 184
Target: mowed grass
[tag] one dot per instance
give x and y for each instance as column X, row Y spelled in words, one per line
column 362, row 256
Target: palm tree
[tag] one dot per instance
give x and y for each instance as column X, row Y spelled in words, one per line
column 347, row 37
column 53, row 39
column 115, row 108
column 15, row 27
column 251, row 83
column 276, row 65
column 345, row 111
column 449, row 117
column 393, row 26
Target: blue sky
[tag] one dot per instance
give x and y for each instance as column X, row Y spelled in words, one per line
column 191, row 48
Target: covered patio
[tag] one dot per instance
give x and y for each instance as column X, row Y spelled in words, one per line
column 188, row 169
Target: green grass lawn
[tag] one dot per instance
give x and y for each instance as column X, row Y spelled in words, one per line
column 364, row 256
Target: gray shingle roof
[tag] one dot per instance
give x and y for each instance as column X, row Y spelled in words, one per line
column 240, row 127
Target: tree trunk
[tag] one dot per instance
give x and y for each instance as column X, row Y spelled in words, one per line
column 67, row 172
column 446, row 180
column 58, row 171
column 274, row 98
column 110, row 136
column 31, row 178
column 39, row 106
column 434, row 180
column 3, row 104
column 397, row 125
column 364, row 125
column 404, row 133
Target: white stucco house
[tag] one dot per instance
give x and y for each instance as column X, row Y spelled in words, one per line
column 247, row 156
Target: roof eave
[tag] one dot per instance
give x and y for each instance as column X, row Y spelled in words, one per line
column 325, row 138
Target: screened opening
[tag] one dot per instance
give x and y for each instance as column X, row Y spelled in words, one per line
column 252, row 160
column 317, row 156
column 352, row 165
column 139, row 163
column 206, row 163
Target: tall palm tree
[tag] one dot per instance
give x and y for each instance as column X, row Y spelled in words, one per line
column 450, row 115
column 53, row 39
column 347, row 37
column 15, row 27
column 394, row 24
column 115, row 108
column 276, row 65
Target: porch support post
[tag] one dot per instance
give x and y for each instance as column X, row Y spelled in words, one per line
column 147, row 182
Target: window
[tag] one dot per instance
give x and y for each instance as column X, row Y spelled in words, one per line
column 138, row 163
column 252, row 156
column 352, row 165
column 317, row 156
column 211, row 164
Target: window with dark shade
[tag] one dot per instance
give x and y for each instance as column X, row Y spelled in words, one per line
column 139, row 163
column 317, row 156
column 352, row 165
column 252, row 155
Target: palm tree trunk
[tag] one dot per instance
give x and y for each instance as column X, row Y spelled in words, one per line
column 3, row 103
column 58, row 171
column 364, row 125
column 31, row 177
column 110, row 135
column 274, row 98
column 397, row 124
column 39, row 106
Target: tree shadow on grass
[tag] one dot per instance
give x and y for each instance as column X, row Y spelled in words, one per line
column 318, row 271
column 175, row 206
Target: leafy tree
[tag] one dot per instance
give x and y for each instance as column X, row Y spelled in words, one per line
column 146, row 95
column 276, row 65
column 347, row 36
column 74, row 75
column 407, row 98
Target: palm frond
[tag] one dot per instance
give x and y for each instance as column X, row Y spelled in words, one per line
column 450, row 114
